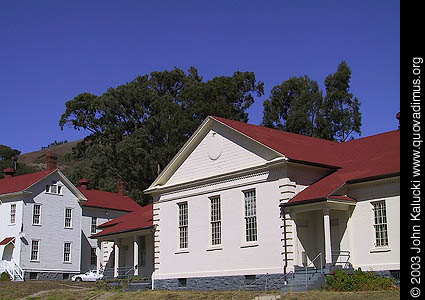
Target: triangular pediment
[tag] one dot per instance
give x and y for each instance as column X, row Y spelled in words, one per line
column 214, row 150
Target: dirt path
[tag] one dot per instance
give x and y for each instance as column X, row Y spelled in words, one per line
column 70, row 288
column 103, row 296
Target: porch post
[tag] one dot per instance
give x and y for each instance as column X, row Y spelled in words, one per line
column 98, row 256
column 117, row 258
column 136, row 255
column 327, row 231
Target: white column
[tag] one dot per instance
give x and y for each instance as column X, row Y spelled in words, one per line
column 295, row 239
column 327, row 231
column 98, row 256
column 136, row 255
column 117, row 258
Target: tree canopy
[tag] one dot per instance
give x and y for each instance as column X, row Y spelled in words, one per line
column 298, row 105
column 136, row 128
column 9, row 158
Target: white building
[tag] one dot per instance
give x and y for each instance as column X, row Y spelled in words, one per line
column 240, row 200
column 46, row 222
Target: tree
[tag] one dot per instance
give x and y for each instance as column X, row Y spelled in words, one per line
column 9, row 158
column 297, row 105
column 137, row 128
column 341, row 111
column 294, row 106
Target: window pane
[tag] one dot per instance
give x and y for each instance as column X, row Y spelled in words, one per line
column 183, row 225
column 380, row 224
column 250, row 216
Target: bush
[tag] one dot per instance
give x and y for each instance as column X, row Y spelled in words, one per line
column 359, row 281
column 4, row 277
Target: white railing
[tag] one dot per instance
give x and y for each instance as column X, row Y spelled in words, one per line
column 341, row 257
column 13, row 269
column 306, row 267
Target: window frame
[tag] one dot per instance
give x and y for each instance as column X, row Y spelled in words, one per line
column 215, row 239
column 183, row 225
column 93, row 254
column 36, row 251
column 70, row 218
column 12, row 216
column 250, row 217
column 380, row 224
column 93, row 226
column 67, row 253
column 34, row 215
column 58, row 188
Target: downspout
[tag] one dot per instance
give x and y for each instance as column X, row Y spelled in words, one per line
column 153, row 258
column 285, row 240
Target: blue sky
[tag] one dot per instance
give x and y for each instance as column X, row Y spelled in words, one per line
column 51, row 51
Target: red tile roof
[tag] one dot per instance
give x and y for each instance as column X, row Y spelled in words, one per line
column 367, row 157
column 136, row 220
column 108, row 200
column 22, row 182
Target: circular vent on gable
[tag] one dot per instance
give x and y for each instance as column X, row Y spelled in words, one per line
column 214, row 146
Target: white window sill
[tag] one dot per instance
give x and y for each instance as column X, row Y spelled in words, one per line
column 35, row 261
column 249, row 244
column 380, row 249
column 67, row 262
column 67, row 228
column 214, row 248
column 11, row 224
column 36, row 224
column 54, row 194
column 181, row 251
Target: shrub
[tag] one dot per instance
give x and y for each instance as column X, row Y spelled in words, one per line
column 359, row 281
column 4, row 277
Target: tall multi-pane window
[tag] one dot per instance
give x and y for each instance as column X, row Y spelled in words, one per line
column 67, row 252
column 380, row 224
column 36, row 214
column 250, row 216
column 12, row 213
column 93, row 225
column 183, row 225
column 68, row 217
column 142, row 261
column 215, row 221
column 93, row 256
column 35, row 248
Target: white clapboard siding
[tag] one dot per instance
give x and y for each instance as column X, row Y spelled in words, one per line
column 221, row 151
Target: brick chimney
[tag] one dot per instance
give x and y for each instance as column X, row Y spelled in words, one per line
column 51, row 161
column 8, row 172
column 398, row 118
column 121, row 187
column 84, row 183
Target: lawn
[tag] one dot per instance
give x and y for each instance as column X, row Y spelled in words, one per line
column 65, row 290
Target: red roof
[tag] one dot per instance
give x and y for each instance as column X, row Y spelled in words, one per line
column 136, row 220
column 367, row 157
column 108, row 200
column 7, row 240
column 363, row 158
column 22, row 182
column 293, row 146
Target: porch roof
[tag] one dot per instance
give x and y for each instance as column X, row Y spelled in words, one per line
column 363, row 159
column 141, row 218
column 7, row 240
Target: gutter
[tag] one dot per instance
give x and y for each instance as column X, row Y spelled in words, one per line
column 371, row 178
column 118, row 232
